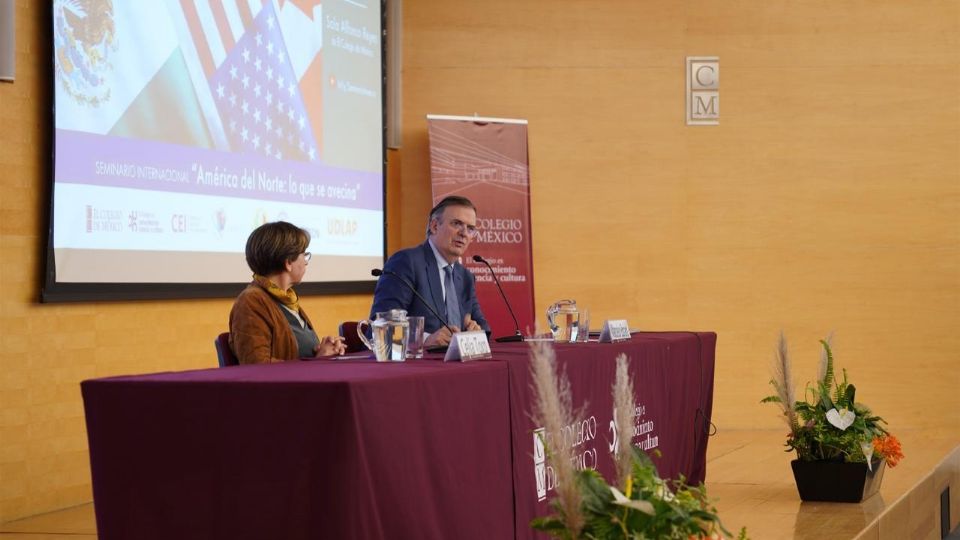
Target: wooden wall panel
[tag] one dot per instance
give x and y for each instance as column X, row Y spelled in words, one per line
column 826, row 200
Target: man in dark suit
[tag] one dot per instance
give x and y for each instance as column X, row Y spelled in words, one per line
column 434, row 268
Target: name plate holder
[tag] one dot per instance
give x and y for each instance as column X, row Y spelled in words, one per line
column 466, row 346
column 615, row 330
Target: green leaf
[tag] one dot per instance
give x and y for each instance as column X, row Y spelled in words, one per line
column 825, row 399
column 828, row 376
column 850, row 394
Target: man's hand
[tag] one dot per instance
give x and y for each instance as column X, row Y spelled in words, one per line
column 329, row 346
column 470, row 324
column 440, row 338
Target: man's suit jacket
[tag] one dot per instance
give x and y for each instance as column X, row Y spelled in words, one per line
column 418, row 265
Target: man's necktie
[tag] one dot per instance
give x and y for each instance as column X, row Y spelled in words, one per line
column 454, row 318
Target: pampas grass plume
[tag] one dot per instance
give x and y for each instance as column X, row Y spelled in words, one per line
column 783, row 381
column 553, row 410
column 623, row 411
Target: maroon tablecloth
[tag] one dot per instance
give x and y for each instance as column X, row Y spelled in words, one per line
column 303, row 450
column 356, row 449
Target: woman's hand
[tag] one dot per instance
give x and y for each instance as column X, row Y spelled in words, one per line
column 329, row 346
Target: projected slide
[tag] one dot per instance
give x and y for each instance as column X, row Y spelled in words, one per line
column 181, row 125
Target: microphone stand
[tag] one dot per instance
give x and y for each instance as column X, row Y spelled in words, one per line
column 517, row 336
column 376, row 272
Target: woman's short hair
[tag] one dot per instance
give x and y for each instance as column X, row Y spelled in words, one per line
column 271, row 245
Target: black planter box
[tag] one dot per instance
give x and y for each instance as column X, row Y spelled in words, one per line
column 836, row 481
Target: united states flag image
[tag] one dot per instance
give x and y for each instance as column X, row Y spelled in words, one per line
column 252, row 80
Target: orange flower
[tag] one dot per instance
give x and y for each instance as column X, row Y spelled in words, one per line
column 889, row 449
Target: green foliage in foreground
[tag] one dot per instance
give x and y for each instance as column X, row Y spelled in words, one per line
column 647, row 509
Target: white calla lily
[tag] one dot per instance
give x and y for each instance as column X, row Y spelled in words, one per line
column 841, row 419
column 622, row 500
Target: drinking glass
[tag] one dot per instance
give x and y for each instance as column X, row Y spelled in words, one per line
column 583, row 326
column 415, row 337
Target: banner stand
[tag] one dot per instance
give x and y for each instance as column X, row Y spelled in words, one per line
column 486, row 160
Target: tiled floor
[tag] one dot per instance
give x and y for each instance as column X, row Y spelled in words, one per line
column 749, row 478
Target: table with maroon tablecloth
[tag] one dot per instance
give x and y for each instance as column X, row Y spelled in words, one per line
column 357, row 449
column 672, row 374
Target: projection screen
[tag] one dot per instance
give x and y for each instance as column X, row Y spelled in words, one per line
column 181, row 125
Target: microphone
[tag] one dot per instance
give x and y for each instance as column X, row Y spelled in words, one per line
column 376, row 272
column 517, row 336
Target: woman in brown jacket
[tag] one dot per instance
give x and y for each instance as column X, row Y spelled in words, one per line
column 267, row 323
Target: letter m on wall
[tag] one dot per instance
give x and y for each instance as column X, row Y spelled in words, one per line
column 706, row 105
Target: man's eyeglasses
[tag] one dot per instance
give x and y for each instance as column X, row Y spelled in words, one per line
column 470, row 230
column 306, row 256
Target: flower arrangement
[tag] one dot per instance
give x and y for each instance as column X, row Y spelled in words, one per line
column 641, row 504
column 828, row 424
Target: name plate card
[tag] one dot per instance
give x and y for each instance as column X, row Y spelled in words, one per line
column 465, row 346
column 615, row 330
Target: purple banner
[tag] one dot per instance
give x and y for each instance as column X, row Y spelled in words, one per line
column 98, row 160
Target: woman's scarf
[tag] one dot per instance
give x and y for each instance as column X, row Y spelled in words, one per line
column 287, row 297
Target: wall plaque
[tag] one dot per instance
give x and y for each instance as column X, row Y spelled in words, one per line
column 703, row 90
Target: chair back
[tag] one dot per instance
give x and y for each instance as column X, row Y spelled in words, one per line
column 348, row 331
column 225, row 354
